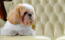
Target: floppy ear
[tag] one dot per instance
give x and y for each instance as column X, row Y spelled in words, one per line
column 16, row 14
column 13, row 16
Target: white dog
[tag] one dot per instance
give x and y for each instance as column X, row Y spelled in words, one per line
column 19, row 21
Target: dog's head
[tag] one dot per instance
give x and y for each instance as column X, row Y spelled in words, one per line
column 22, row 14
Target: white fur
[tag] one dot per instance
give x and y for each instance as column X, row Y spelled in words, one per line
column 13, row 29
column 21, row 29
column 28, row 6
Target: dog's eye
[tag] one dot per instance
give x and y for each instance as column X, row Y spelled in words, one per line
column 25, row 13
column 29, row 15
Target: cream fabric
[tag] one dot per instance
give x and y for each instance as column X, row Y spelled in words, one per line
column 2, row 22
column 50, row 16
column 24, row 38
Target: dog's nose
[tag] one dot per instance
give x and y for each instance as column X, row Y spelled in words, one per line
column 29, row 15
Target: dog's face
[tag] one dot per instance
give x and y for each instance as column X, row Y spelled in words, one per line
column 22, row 14
column 27, row 17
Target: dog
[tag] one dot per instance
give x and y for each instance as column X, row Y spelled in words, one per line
column 19, row 21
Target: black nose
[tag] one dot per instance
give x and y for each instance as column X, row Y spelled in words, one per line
column 29, row 15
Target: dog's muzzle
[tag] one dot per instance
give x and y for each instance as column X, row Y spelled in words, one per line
column 29, row 14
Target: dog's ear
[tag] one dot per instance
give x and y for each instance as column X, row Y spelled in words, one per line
column 20, row 9
column 14, row 15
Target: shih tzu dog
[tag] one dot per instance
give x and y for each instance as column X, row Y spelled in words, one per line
column 19, row 21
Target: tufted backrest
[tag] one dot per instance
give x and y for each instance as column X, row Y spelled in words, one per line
column 50, row 16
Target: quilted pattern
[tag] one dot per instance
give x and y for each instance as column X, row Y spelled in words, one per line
column 50, row 16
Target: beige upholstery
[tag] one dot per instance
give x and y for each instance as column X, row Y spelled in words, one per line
column 50, row 16
column 23, row 38
column 2, row 22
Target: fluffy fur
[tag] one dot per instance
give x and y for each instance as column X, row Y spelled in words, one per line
column 19, row 21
